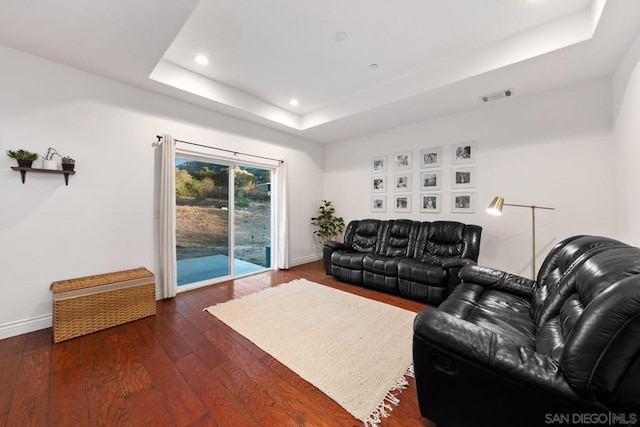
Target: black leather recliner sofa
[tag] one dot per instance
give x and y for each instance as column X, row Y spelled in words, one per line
column 503, row 350
column 418, row 260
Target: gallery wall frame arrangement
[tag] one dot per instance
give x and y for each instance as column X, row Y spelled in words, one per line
column 431, row 194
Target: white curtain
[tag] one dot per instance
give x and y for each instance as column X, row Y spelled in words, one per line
column 282, row 226
column 167, row 235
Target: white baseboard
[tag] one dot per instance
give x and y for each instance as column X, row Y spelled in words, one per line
column 20, row 327
column 305, row 260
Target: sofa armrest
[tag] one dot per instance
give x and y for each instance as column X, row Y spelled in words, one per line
column 333, row 244
column 328, row 247
column 479, row 346
column 498, row 280
column 456, row 262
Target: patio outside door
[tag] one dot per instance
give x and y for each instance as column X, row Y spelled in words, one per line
column 208, row 249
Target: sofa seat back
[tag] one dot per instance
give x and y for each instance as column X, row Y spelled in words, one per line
column 440, row 240
column 597, row 328
column 557, row 275
column 363, row 235
column 398, row 238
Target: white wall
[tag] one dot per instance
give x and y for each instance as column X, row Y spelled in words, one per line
column 626, row 128
column 104, row 220
column 552, row 149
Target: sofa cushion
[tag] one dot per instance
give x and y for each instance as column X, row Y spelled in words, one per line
column 502, row 313
column 348, row 259
column 381, row 264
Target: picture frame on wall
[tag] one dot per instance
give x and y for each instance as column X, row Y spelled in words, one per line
column 463, row 177
column 464, row 152
column 463, row 202
column 430, row 202
column 379, row 203
column 379, row 184
column 402, row 161
column 431, row 157
column 379, row 164
column 402, row 203
column 402, row 182
column 430, row 180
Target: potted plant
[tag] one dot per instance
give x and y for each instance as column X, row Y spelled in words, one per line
column 68, row 163
column 25, row 158
column 48, row 162
column 328, row 224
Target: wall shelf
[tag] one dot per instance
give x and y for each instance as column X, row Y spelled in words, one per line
column 23, row 172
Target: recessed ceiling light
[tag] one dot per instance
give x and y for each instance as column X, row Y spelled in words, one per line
column 341, row 36
column 202, row 60
column 294, row 102
column 373, row 66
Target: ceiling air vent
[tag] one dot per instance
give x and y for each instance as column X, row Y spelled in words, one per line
column 496, row 95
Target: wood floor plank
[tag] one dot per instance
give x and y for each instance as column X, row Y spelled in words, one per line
column 209, row 352
column 182, row 367
column 147, row 409
column 69, row 405
column 313, row 395
column 131, row 374
column 252, row 397
column 246, row 360
column 179, row 399
column 298, row 406
column 222, row 406
column 30, row 403
column 107, row 406
column 11, row 351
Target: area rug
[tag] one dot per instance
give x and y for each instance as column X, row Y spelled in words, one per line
column 355, row 350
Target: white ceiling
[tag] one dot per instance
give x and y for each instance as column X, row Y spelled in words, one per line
column 433, row 56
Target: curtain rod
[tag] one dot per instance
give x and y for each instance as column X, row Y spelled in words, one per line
column 222, row 149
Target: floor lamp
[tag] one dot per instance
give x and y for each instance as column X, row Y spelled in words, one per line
column 495, row 208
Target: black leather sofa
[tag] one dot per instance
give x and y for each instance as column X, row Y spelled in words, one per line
column 418, row 260
column 503, row 350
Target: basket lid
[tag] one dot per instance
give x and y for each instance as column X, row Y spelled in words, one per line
column 99, row 279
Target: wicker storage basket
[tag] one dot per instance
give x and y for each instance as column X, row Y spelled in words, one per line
column 89, row 304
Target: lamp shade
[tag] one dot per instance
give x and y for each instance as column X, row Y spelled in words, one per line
column 495, row 208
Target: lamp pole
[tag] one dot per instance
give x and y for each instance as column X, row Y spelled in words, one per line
column 533, row 233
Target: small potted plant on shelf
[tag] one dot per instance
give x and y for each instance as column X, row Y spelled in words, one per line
column 25, row 158
column 68, row 163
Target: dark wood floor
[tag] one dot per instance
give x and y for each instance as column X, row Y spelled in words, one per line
column 181, row 367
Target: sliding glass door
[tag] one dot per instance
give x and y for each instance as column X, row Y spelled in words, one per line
column 252, row 219
column 208, row 248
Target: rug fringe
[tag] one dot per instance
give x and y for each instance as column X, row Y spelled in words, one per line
column 386, row 406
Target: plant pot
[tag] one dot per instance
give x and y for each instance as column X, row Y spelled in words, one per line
column 49, row 164
column 68, row 166
column 23, row 163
